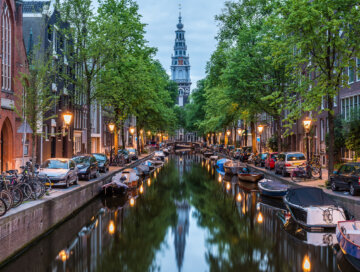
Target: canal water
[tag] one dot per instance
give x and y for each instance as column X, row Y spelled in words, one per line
column 185, row 217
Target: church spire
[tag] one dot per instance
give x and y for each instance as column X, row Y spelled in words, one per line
column 180, row 24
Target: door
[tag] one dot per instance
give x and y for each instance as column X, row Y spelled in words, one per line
column 53, row 147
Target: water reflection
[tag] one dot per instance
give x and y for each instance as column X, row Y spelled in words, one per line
column 186, row 217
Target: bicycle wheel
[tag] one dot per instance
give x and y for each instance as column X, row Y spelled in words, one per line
column 27, row 191
column 3, row 207
column 294, row 177
column 6, row 196
column 17, row 196
column 42, row 189
column 316, row 172
column 36, row 189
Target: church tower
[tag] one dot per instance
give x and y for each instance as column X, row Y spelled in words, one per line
column 180, row 65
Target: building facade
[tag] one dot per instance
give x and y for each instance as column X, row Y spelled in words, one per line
column 15, row 146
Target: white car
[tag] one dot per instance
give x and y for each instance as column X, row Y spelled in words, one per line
column 61, row 172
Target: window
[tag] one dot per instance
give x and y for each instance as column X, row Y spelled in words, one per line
column 6, row 49
column 358, row 69
column 351, row 74
column 322, row 130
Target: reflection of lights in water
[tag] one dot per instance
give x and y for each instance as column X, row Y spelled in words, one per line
column 219, row 178
column 243, row 209
column 111, row 227
column 63, row 255
column 306, row 264
column 238, row 197
column 260, row 218
column 202, row 164
column 158, row 170
column 154, row 174
column 141, row 189
column 149, row 181
column 212, row 171
column 96, row 223
column 258, row 206
column 208, row 167
column 228, row 186
column 132, row 202
column 92, row 218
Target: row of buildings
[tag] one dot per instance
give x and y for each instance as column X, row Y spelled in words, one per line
column 32, row 28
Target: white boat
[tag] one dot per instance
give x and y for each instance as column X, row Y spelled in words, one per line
column 214, row 158
column 159, row 154
column 312, row 208
column 232, row 167
column 128, row 177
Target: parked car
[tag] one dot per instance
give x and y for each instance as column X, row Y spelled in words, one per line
column 61, row 172
column 103, row 162
column 132, row 154
column 286, row 162
column 270, row 160
column 87, row 165
column 347, row 178
column 125, row 154
column 260, row 159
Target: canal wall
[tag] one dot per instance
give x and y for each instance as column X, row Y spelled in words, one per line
column 27, row 223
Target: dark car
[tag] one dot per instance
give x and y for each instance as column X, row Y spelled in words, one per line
column 260, row 159
column 132, row 154
column 87, row 165
column 125, row 154
column 347, row 178
column 103, row 162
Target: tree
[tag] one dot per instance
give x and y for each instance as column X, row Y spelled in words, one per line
column 37, row 99
column 323, row 36
column 89, row 50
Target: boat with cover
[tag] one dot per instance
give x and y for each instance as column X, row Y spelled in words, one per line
column 159, row 154
column 272, row 188
column 142, row 170
column 232, row 167
column 312, row 208
column 220, row 164
column 348, row 236
column 129, row 177
column 116, row 187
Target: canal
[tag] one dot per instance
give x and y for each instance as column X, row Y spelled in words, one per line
column 185, row 217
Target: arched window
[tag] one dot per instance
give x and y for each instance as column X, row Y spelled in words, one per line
column 6, row 48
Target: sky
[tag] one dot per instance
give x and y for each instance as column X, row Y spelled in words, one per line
column 198, row 17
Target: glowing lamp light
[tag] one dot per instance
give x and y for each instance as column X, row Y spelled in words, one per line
column 306, row 265
column 132, row 130
column 149, row 132
column 208, row 167
column 141, row 190
column 132, row 202
column 307, row 123
column 67, row 118
column 63, row 256
column 260, row 218
column 141, row 131
column 238, row 198
column 239, row 131
column 111, row 127
column 154, row 174
column 220, row 134
column 111, row 227
column 228, row 186
column 149, row 181
column 228, row 133
column 260, row 128
column 208, row 135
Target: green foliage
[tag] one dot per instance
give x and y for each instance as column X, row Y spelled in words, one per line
column 352, row 133
column 272, row 143
column 339, row 138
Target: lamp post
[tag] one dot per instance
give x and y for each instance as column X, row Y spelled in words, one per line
column 307, row 125
column 111, row 129
column 132, row 131
column 67, row 116
column 228, row 133
column 240, row 132
column 260, row 130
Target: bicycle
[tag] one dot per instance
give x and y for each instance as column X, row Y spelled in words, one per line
column 14, row 190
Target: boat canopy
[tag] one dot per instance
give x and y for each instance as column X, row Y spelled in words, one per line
column 309, row 196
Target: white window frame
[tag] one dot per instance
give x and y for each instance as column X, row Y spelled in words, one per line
column 6, row 37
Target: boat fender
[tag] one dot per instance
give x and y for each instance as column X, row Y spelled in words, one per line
column 328, row 215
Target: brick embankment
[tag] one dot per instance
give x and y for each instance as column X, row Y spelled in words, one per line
column 29, row 221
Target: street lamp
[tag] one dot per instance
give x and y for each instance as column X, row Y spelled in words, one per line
column 67, row 118
column 307, row 125
column 111, row 128
column 240, row 132
column 132, row 130
column 260, row 129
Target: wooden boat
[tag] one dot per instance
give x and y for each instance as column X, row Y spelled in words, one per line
column 157, row 163
column 232, row 167
column 115, row 188
column 249, row 177
column 272, row 188
column 208, row 154
column 142, row 170
column 129, row 178
column 311, row 208
column 348, row 236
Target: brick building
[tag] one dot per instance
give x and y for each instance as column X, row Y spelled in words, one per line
column 13, row 62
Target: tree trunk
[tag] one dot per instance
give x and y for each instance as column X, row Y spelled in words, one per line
column 138, row 141
column 116, row 140
column 253, row 136
column 88, row 105
column 278, row 133
column 33, row 143
column 122, row 135
column 331, row 146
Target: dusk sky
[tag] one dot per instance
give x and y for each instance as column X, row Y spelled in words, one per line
column 161, row 17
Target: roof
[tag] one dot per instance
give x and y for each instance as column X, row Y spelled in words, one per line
column 34, row 6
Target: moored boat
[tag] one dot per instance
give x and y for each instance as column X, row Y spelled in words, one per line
column 142, row 170
column 159, row 154
column 312, row 208
column 220, row 164
column 250, row 177
column 272, row 188
column 348, row 236
column 208, row 154
column 232, row 167
column 114, row 188
column 214, row 158
column 129, row 177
